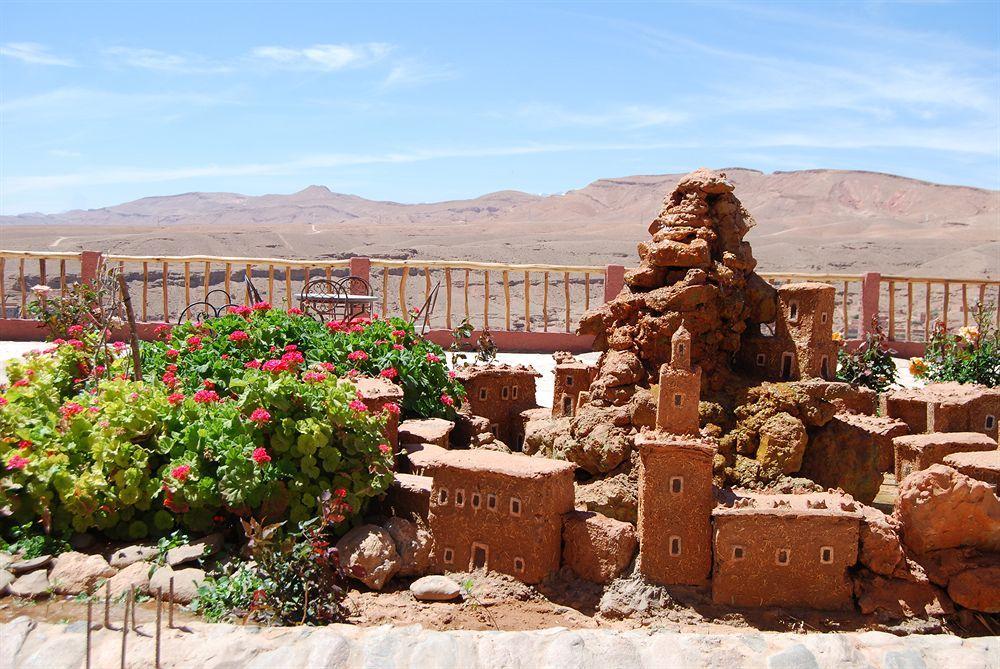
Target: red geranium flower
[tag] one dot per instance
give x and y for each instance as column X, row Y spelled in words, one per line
column 447, row 400
column 389, row 373
column 358, row 405
column 294, row 311
column 175, row 398
column 433, row 358
column 392, row 407
column 253, row 364
column 261, row 306
column 193, row 343
column 20, row 383
column 74, row 330
column 260, row 456
column 398, row 347
column 238, row 336
column 180, row 472
column 314, row 377
column 24, row 444
column 206, row 396
column 17, row 462
column 70, row 409
column 384, row 448
column 260, row 416
column 357, row 355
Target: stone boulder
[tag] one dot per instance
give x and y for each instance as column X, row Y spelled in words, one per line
column 24, row 566
column 599, row 451
column 614, row 495
column 368, row 552
column 74, row 573
column 782, row 443
column 941, row 508
column 413, row 545
column 435, row 589
column 977, row 589
column 186, row 582
column 842, row 455
column 6, row 578
column 31, row 585
column 206, row 546
column 595, row 547
column 124, row 557
column 981, row 465
column 900, row 598
column 425, row 431
column 135, row 575
column 880, row 549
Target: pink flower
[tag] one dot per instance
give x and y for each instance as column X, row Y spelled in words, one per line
column 293, row 359
column 333, row 326
column 389, row 373
column 260, row 416
column 451, row 374
column 241, row 311
column 238, row 336
column 20, row 383
column 224, row 356
column 17, row 462
column 433, row 358
column 3, row 401
column 261, row 306
column 358, row 405
column 74, row 330
column 180, row 472
column 209, row 383
column 161, row 331
column 392, row 408
column 294, row 311
column 357, row 355
column 384, row 448
column 24, row 444
column 260, row 456
column 353, row 373
column 253, row 364
column 328, row 366
column 446, row 399
column 340, row 492
column 314, row 377
column 291, row 347
column 275, row 366
column 193, row 343
column 206, row 396
column 399, row 333
column 70, row 409
column 175, row 398
column 76, row 343
column 398, row 347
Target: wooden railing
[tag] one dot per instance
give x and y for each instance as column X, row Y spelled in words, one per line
column 539, row 304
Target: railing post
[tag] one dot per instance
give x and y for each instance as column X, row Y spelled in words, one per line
column 362, row 269
column 614, row 281
column 90, row 263
column 871, row 285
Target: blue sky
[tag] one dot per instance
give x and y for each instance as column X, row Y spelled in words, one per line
column 104, row 103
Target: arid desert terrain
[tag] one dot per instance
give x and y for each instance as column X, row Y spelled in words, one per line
column 814, row 220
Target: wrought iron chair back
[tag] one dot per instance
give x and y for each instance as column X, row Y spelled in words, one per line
column 324, row 300
column 427, row 309
column 208, row 309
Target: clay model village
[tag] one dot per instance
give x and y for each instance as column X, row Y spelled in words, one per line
column 708, row 467
column 710, row 453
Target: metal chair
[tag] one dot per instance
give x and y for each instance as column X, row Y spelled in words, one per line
column 208, row 309
column 427, row 309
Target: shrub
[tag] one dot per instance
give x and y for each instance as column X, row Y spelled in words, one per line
column 971, row 356
column 228, row 426
column 870, row 365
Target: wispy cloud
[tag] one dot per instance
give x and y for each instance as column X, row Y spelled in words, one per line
column 81, row 103
column 64, row 153
column 413, row 72
column 325, row 57
column 34, row 53
column 162, row 61
column 629, row 116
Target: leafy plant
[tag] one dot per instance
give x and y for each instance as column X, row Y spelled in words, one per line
column 30, row 541
column 971, row 356
column 229, row 593
column 870, row 364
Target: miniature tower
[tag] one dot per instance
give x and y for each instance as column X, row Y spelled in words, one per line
column 680, row 388
column 807, row 320
column 675, row 479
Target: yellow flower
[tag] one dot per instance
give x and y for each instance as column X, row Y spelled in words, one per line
column 969, row 333
column 917, row 366
column 838, row 337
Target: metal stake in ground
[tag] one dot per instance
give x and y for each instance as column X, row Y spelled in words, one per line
column 159, row 618
column 124, row 632
column 107, row 604
column 90, row 621
column 170, row 610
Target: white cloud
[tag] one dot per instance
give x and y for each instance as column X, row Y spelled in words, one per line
column 64, row 153
column 625, row 116
column 411, row 72
column 80, row 103
column 34, row 53
column 162, row 61
column 327, row 57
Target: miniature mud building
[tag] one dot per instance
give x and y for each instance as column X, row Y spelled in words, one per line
column 499, row 511
column 500, row 393
column 572, row 377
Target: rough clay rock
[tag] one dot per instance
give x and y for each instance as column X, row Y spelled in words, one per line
column 621, row 368
column 977, row 589
column 413, row 545
column 32, row 585
column 900, row 598
column 186, row 582
column 74, row 573
column 841, row 455
column 435, row 589
column 615, row 495
column 782, row 444
column 426, row 431
column 372, row 550
column 124, row 557
column 881, row 550
column 24, row 566
column 600, row 451
column 6, row 560
column 595, row 547
column 941, row 508
column 134, row 575
column 6, row 578
column 633, row 598
column 204, row 547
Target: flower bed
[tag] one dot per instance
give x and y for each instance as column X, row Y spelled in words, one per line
column 247, row 414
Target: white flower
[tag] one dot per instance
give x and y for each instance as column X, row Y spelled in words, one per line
column 41, row 289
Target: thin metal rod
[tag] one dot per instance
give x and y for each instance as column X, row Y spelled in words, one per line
column 107, row 604
column 124, row 632
column 170, row 605
column 159, row 620
column 131, row 598
column 90, row 627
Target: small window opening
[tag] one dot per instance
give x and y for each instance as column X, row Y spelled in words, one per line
column 677, row 484
column 739, row 553
column 480, row 556
column 826, row 554
column 678, row 399
column 782, row 557
column 518, row 564
column 793, row 311
column 515, row 506
column 449, row 556
column 477, row 500
column 513, row 392
column 991, row 422
column 569, row 380
column 761, row 359
column 567, row 405
column 505, row 393
column 675, row 545
column 443, row 496
column 823, row 317
column 824, row 367
column 491, row 502
column 786, row 365
column 483, row 393
column 459, row 498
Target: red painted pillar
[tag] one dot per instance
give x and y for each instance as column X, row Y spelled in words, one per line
column 870, row 287
column 361, row 268
column 90, row 263
column 614, row 281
